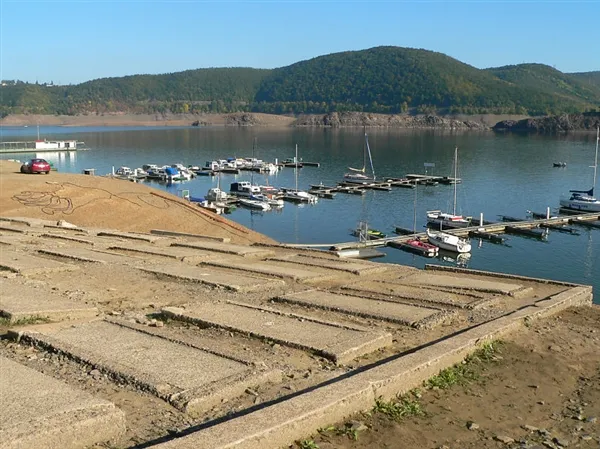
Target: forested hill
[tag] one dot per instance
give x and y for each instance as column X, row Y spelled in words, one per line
column 381, row 79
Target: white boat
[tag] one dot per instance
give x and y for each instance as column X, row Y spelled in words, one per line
column 254, row 204
column 215, row 194
column 299, row 196
column 584, row 200
column 359, row 176
column 123, row 171
column 244, row 188
column 449, row 242
column 269, row 199
column 441, row 220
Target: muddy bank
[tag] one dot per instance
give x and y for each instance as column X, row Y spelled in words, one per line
column 346, row 119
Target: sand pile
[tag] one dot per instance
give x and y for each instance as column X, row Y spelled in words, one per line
column 101, row 202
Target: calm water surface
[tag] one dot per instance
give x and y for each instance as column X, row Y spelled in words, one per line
column 502, row 174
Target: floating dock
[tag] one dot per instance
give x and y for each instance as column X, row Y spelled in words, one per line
column 521, row 227
column 439, row 179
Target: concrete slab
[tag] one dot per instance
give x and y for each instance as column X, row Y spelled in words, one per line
column 228, row 248
column 25, row 221
column 129, row 235
column 283, row 422
column 279, row 270
column 189, row 235
column 332, row 264
column 334, row 341
column 13, row 229
column 9, row 238
column 68, row 238
column 184, row 254
column 406, row 293
column 462, row 282
column 27, row 264
column 41, row 412
column 21, row 302
column 191, row 379
column 367, row 307
column 89, row 255
column 215, row 278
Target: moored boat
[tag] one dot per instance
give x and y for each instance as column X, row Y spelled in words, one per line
column 441, row 220
column 584, row 200
column 359, row 175
column 254, row 204
column 449, row 242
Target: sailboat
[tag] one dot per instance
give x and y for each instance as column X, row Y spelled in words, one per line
column 359, row 175
column 441, row 220
column 584, row 200
column 449, row 242
column 299, row 196
column 415, row 244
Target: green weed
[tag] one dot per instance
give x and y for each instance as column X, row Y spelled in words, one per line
column 403, row 407
column 308, row 444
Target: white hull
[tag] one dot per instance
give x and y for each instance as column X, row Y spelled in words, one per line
column 255, row 204
column 584, row 206
column 449, row 242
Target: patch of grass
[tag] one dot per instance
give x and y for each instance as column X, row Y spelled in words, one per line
column 464, row 372
column 402, row 407
column 5, row 321
column 308, row 444
column 346, row 430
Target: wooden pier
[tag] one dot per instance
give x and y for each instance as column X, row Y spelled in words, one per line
column 522, row 227
column 439, row 179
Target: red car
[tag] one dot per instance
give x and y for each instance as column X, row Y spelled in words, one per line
column 36, row 166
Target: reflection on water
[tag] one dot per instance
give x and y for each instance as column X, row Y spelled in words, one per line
column 460, row 260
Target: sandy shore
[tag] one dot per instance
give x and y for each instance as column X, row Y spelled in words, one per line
column 234, row 119
column 119, row 119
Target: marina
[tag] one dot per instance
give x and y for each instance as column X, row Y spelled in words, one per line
column 497, row 178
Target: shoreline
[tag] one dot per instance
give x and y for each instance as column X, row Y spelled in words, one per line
column 242, row 119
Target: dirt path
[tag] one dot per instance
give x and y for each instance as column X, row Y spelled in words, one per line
column 541, row 390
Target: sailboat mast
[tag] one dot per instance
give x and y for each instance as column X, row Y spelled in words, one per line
column 415, row 214
column 596, row 158
column 296, row 168
column 365, row 146
column 252, row 171
column 455, row 175
column 370, row 158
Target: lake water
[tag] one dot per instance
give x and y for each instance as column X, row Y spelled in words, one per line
column 502, row 174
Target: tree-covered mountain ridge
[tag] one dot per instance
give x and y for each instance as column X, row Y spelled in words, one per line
column 390, row 80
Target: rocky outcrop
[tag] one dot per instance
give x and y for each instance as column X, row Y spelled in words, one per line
column 350, row 119
column 552, row 124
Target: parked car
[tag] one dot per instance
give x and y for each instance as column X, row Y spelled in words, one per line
column 36, row 166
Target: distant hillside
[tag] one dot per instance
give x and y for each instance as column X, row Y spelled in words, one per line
column 394, row 79
column 543, row 78
column 381, row 79
column 588, row 78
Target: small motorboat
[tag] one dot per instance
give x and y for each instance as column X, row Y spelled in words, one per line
column 368, row 233
column 269, row 199
column 559, row 164
column 254, row 204
column 416, row 245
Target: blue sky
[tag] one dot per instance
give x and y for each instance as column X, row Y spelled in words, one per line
column 77, row 40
